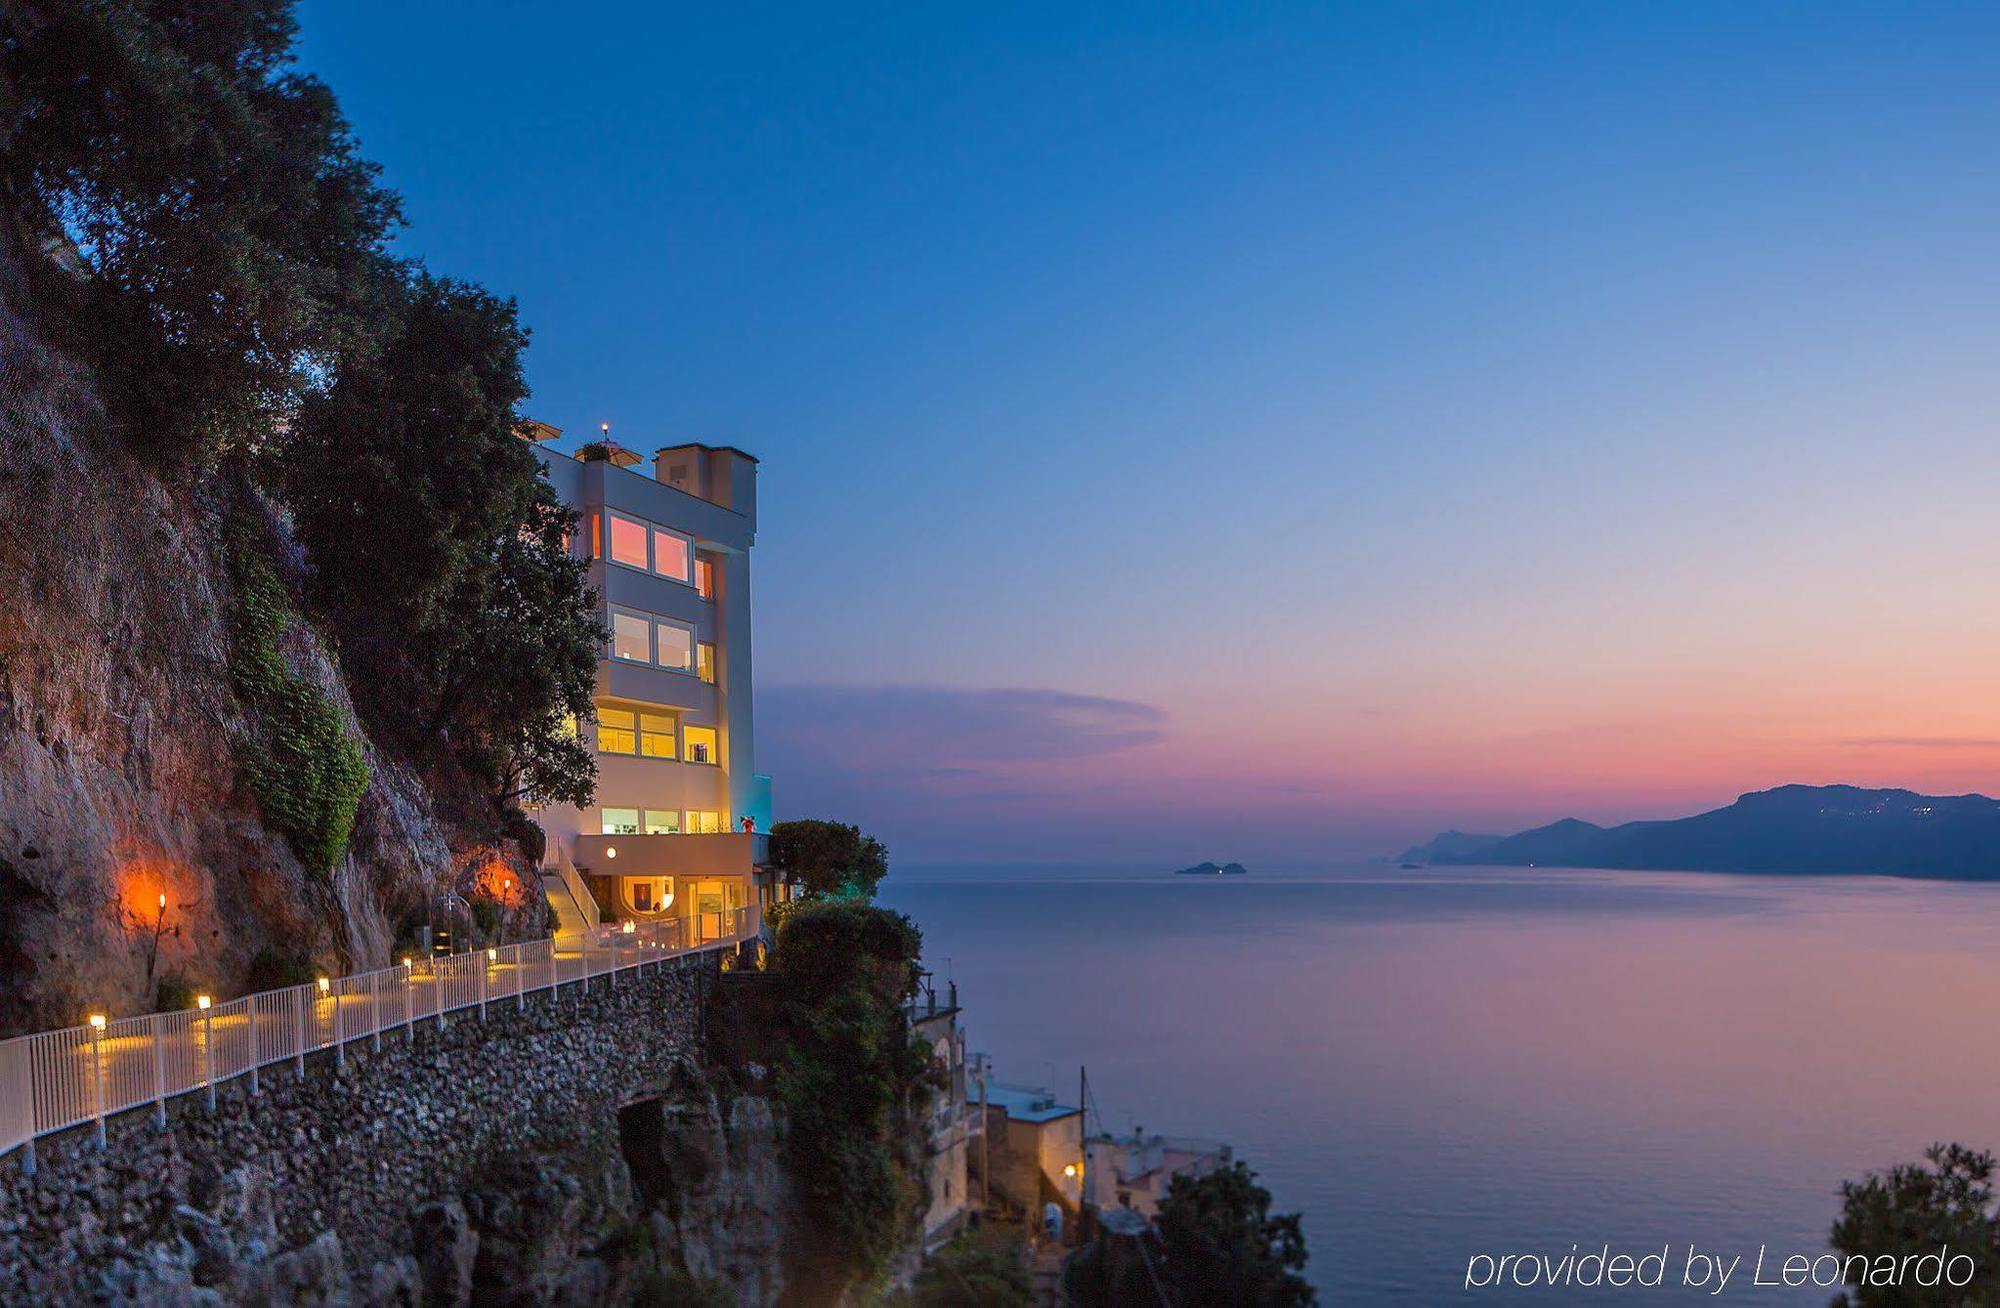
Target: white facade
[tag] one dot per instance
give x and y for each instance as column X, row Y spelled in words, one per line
column 681, row 815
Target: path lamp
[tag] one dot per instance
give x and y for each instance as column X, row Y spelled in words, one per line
column 97, row 1065
column 409, row 999
column 207, row 1045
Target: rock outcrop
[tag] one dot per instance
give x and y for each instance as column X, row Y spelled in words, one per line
column 120, row 732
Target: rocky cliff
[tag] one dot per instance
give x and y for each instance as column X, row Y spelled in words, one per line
column 122, row 737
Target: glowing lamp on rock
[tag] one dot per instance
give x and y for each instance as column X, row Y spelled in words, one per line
column 163, row 903
column 492, row 955
column 97, row 1021
column 325, row 985
column 201, row 1002
column 1069, row 1170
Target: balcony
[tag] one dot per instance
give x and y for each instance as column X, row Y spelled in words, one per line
column 717, row 854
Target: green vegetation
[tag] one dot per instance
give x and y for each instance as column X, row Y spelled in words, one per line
column 274, row 969
column 849, row 1077
column 173, row 994
column 440, row 555
column 829, row 860
column 1916, row 1210
column 306, row 771
column 965, row 1274
column 1217, row 1242
column 234, row 288
column 215, row 193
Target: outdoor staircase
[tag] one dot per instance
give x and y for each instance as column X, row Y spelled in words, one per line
column 576, row 908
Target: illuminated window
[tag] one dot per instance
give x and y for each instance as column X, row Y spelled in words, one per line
column 596, row 534
column 656, row 735
column 670, row 555
column 704, row 578
column 663, row 822
column 620, row 821
column 628, row 541
column 703, row 821
column 676, row 648
column 614, row 732
column 700, row 745
column 631, row 638
column 704, row 661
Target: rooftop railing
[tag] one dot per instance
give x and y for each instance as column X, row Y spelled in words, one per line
column 56, row 1080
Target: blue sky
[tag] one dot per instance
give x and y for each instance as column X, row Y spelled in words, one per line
column 1322, row 422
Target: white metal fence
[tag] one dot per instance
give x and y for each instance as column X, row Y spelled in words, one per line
column 59, row 1079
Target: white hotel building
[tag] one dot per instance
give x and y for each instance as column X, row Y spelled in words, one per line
column 681, row 822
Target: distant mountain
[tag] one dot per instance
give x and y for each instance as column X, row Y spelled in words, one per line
column 1213, row 870
column 1804, row 830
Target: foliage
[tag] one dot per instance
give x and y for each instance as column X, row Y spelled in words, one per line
column 486, row 916
column 173, row 994
column 849, row 1077
column 215, row 193
column 1916, row 1210
column 440, row 554
column 305, row 770
column 1221, row 1244
column 829, row 860
column 964, row 1274
column 274, row 969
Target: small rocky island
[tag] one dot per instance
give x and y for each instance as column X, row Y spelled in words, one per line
column 1213, row 870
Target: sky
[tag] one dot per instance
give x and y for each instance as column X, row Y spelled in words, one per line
column 1270, row 432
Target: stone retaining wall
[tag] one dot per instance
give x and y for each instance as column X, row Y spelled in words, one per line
column 306, row 1189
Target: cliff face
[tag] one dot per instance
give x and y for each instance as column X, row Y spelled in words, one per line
column 120, row 732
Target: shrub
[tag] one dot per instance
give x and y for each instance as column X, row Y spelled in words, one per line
column 173, row 994
column 829, row 860
column 968, row 1275
column 274, row 969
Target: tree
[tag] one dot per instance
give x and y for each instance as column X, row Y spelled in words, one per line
column 829, row 860
column 439, row 553
column 1221, row 1244
column 1918, row 1210
column 233, row 233
column 968, row 1275
column 849, row 1076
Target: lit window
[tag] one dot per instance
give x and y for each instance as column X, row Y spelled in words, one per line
column 614, row 732
column 700, row 745
column 621, row 821
column 670, row 555
column 676, row 649
column 656, row 735
column 704, row 578
column 628, row 541
column 662, row 822
column 630, row 638
column 704, row 661
column 704, row 821
column 596, row 534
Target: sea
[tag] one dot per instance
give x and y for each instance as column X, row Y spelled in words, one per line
column 1434, row 1066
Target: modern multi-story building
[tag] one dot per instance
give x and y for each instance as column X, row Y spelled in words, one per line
column 679, row 829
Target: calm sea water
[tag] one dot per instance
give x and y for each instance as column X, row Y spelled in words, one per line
column 1430, row 1065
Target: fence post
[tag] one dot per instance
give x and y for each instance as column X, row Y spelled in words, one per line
column 437, row 992
column 299, row 1025
column 250, row 1012
column 484, row 963
column 410, row 999
column 208, row 1058
column 159, row 1076
column 375, row 1005
column 97, row 1066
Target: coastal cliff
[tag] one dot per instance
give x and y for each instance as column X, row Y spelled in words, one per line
column 124, row 734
